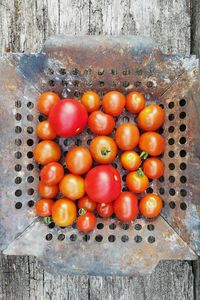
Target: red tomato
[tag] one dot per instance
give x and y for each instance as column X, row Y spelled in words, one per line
column 46, row 101
column 45, row 131
column 64, row 212
column 52, row 173
column 86, row 222
column 137, row 181
column 91, row 101
column 46, row 152
column 151, row 117
column 78, row 160
column 103, row 149
column 127, row 136
column 47, row 191
column 150, row 205
column 113, row 103
column 135, row 102
column 103, row 184
column 152, row 143
column 72, row 186
column 43, row 207
column 100, row 123
column 130, row 160
column 68, row 117
column 105, row 210
column 87, row 203
column 126, row 207
column 153, row 167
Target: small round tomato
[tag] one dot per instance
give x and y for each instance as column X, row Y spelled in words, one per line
column 126, row 207
column 150, row 205
column 47, row 191
column 52, row 173
column 127, row 136
column 100, row 123
column 105, row 210
column 91, row 101
column 137, row 181
column 103, row 149
column 46, row 101
column 87, row 204
column 135, row 102
column 86, row 222
column 130, row 160
column 46, row 152
column 72, row 186
column 152, row 143
column 113, row 103
column 45, row 131
column 64, row 212
column 153, row 168
column 151, row 117
column 43, row 207
column 78, row 160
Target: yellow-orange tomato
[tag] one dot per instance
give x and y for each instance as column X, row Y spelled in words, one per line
column 46, row 101
column 78, row 160
column 91, row 101
column 47, row 191
column 45, row 131
column 72, row 186
column 151, row 117
column 64, row 212
column 130, row 160
column 46, row 152
column 127, row 136
column 113, row 103
column 43, row 207
column 150, row 205
column 103, row 149
column 153, row 167
column 135, row 102
column 137, row 181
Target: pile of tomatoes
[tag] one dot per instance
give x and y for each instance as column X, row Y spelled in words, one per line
column 91, row 184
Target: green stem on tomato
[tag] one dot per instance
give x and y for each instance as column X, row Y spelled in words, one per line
column 140, row 172
column 144, row 155
column 82, row 211
column 104, row 151
column 47, row 220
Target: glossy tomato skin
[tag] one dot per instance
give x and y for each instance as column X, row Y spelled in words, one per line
column 46, row 101
column 46, row 152
column 126, row 207
column 103, row 184
column 72, row 186
column 103, row 149
column 113, row 103
column 153, row 168
column 150, row 205
column 45, row 131
column 64, row 212
column 78, row 160
column 87, row 204
column 135, row 102
column 101, row 123
column 130, row 160
column 52, row 173
column 43, row 207
column 68, row 117
column 127, row 136
column 137, row 182
column 47, row 191
column 91, row 101
column 85, row 223
column 151, row 117
column 152, row 142
column 105, row 210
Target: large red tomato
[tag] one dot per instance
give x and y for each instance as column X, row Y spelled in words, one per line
column 103, row 184
column 151, row 117
column 68, row 117
column 126, row 207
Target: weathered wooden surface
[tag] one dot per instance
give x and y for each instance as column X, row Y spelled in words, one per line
column 24, row 26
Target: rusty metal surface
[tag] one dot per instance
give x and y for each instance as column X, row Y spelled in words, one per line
column 69, row 66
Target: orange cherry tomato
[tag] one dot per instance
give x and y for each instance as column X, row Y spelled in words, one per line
column 130, row 160
column 100, row 123
column 150, row 205
column 43, row 207
column 135, row 102
column 52, row 173
column 47, row 191
column 103, row 149
column 127, row 136
column 86, row 222
column 126, row 207
column 153, row 167
column 137, row 181
column 78, row 160
column 113, row 103
column 87, row 204
column 46, row 152
column 151, row 117
column 64, row 212
column 46, row 102
column 105, row 210
column 91, row 101
column 152, row 143
column 45, row 131
column 72, row 186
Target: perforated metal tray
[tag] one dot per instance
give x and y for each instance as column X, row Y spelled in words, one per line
column 70, row 66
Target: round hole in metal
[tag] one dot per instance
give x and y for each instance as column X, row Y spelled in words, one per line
column 171, row 129
column 160, row 130
column 171, row 166
column 51, row 225
column 151, row 239
column 112, row 226
column 182, row 140
column 18, row 142
column 51, row 82
column 18, row 167
column 124, row 238
column 124, row 226
column 18, row 193
column 149, row 84
column 183, row 179
column 161, row 179
column 138, row 239
column 183, row 192
column 149, row 190
column 42, row 118
column 171, row 141
column 18, row 155
column 171, row 154
column 183, row 205
column 30, row 142
column 30, row 118
column 30, row 203
column 18, row 180
column 18, row 117
column 61, row 237
column 138, row 227
column 161, row 105
column 182, row 115
column 78, row 142
column 30, row 130
column 183, row 153
column 30, row 167
column 18, row 129
column 171, row 179
column 86, row 237
column 124, row 178
column 18, row 103
column 183, row 166
column 73, row 237
column 182, row 102
column 30, row 191
column 49, row 237
column 126, row 84
column 30, row 154
column 30, row 105
column 18, row 205
column 172, row 204
column 137, row 83
column 161, row 191
column 182, row 127
column 89, row 141
column 150, row 227
column 171, row 117
column 172, row 192
column 111, row 238
column 171, row 105
column 50, row 71
column 98, row 238
column 62, row 71
column 100, row 226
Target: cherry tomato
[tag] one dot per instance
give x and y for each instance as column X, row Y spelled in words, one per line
column 64, row 212
column 45, row 131
column 127, row 136
column 137, row 181
column 103, row 184
column 78, row 160
column 46, row 101
column 150, row 205
column 130, row 160
column 152, row 143
column 151, row 117
column 91, row 101
column 100, row 123
column 103, row 149
column 47, row 191
column 72, row 186
column 105, row 210
column 87, row 203
column 113, row 103
column 43, row 207
column 86, row 222
column 52, row 173
column 135, row 102
column 46, row 152
column 126, row 207
column 68, row 117
column 153, row 167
